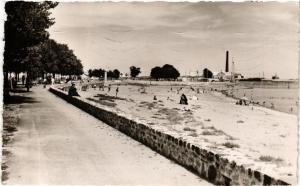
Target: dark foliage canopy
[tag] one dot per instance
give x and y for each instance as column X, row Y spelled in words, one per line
column 207, row 73
column 100, row 73
column 25, row 28
column 165, row 72
column 58, row 58
column 134, row 71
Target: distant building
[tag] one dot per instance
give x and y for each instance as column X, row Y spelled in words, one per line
column 238, row 76
column 190, row 78
column 219, row 75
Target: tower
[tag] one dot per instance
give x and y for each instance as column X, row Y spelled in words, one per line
column 227, row 62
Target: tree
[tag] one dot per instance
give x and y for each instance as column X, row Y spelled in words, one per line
column 166, row 72
column 134, row 71
column 90, row 73
column 207, row 73
column 156, row 73
column 116, row 73
column 110, row 74
column 169, row 72
column 58, row 58
column 50, row 57
column 25, row 28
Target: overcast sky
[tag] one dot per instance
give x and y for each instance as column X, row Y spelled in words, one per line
column 261, row 37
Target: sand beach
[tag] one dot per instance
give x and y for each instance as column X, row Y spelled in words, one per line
column 254, row 136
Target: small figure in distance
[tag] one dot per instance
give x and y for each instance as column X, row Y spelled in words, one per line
column 154, row 98
column 272, row 106
column 108, row 88
column 117, row 91
column 183, row 100
column 23, row 80
column 73, row 91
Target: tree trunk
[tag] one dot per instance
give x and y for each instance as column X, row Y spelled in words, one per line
column 6, row 87
column 28, row 81
column 17, row 76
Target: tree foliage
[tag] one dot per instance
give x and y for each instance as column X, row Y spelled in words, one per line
column 134, row 71
column 100, row 73
column 96, row 73
column 59, row 59
column 25, row 28
column 207, row 73
column 156, row 73
column 116, row 73
column 165, row 72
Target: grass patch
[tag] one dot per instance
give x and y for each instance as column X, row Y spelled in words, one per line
column 107, row 97
column 148, row 104
column 230, row 138
column 193, row 134
column 189, row 129
column 230, row 145
column 208, row 133
column 103, row 102
column 269, row 159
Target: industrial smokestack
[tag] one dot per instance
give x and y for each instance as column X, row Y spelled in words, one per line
column 227, row 62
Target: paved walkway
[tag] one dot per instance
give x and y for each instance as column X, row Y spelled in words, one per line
column 57, row 143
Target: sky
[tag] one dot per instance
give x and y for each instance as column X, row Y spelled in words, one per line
column 261, row 37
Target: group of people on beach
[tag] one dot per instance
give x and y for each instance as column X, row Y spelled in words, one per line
column 73, row 91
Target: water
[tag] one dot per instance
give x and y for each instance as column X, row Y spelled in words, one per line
column 283, row 99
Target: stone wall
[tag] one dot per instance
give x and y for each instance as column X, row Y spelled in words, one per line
column 206, row 164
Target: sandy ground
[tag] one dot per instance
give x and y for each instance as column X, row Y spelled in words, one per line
column 57, row 143
column 253, row 136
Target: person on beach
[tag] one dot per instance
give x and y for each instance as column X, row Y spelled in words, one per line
column 117, row 91
column 183, row 100
column 108, row 88
column 73, row 91
column 154, row 98
column 272, row 106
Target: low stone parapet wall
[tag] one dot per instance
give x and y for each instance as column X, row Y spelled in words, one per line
column 206, row 164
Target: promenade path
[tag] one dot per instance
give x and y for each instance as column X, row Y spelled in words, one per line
column 57, row 143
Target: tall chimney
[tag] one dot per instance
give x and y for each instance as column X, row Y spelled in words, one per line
column 227, row 62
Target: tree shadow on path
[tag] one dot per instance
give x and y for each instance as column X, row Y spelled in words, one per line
column 17, row 99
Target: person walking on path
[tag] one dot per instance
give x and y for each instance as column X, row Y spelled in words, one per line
column 23, row 80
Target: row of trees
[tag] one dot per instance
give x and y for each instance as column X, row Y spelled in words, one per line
column 27, row 44
column 134, row 72
column 100, row 73
column 165, row 72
